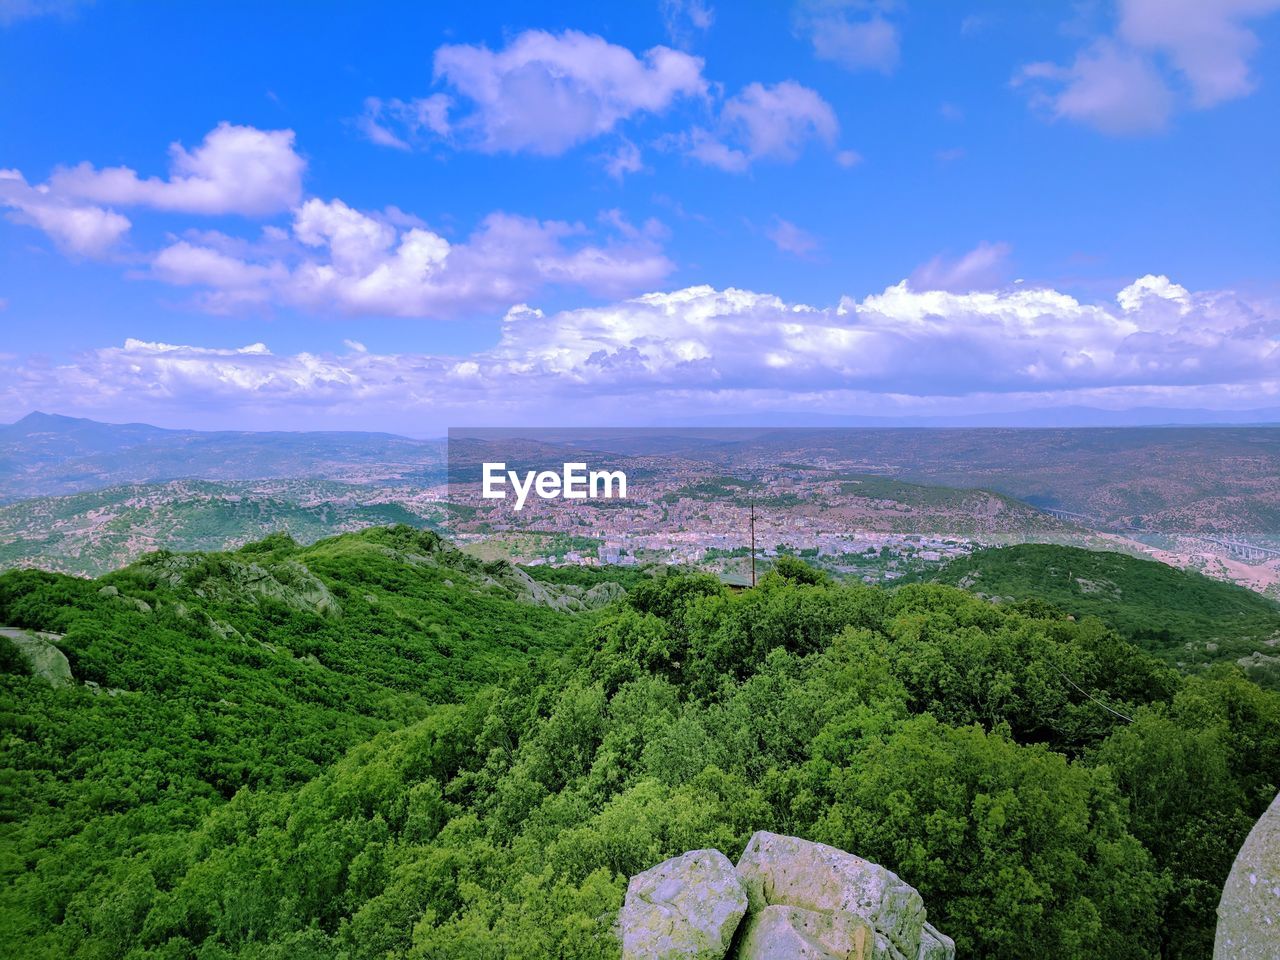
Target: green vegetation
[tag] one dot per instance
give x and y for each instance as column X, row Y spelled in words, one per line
column 377, row 747
column 1180, row 615
column 589, row 577
column 899, row 491
column 715, row 489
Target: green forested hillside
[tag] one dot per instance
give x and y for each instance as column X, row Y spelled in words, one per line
column 218, row 672
column 1179, row 614
column 429, row 761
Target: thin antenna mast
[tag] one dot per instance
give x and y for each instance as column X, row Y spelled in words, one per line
column 753, row 543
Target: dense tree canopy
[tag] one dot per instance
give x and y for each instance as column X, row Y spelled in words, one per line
column 460, row 773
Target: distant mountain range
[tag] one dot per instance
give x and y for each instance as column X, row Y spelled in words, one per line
column 1043, row 417
column 47, row 454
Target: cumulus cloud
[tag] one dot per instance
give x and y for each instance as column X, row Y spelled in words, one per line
column 235, row 170
column 707, row 349
column 77, row 228
column 1108, row 87
column 542, row 93
column 984, row 266
column 765, row 123
column 856, row 34
column 545, row 93
column 1206, row 42
column 332, row 257
column 1132, row 81
column 238, row 170
column 337, row 258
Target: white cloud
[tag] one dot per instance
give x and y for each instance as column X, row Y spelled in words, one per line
column 765, row 122
column 789, row 238
column 240, row 170
column 710, row 350
column 984, row 266
column 543, row 93
column 350, row 261
column 624, row 160
column 685, row 18
column 1108, row 87
column 870, row 44
column 1206, row 41
column 235, row 170
column 1131, row 82
column 77, row 228
column 332, row 258
column 414, row 119
column 856, row 34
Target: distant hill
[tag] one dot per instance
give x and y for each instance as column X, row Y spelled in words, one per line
column 1071, row 416
column 1179, row 614
column 95, row 532
column 46, row 454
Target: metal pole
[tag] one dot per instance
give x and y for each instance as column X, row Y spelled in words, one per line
column 753, row 543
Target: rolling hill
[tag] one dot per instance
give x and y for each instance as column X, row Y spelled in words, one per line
column 98, row 531
column 1181, row 615
column 380, row 748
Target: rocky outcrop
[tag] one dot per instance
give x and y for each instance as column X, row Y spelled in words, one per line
column 1249, row 912
column 45, row 660
column 422, row 548
column 787, row 898
column 688, row 906
column 817, row 877
column 782, row 931
column 224, row 578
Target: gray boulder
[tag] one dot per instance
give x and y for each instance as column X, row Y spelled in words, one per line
column 814, row 876
column 800, row 900
column 779, row 932
column 935, row 945
column 1249, row 912
column 45, row 660
column 688, row 906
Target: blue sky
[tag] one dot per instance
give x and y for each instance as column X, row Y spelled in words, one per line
column 254, row 214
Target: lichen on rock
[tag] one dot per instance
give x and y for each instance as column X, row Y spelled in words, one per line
column 43, row 658
column 1249, row 912
column 799, row 899
column 688, row 906
column 800, row 873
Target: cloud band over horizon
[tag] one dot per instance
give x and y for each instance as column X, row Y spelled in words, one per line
column 701, row 351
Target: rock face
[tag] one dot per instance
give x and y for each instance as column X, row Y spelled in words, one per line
column 45, row 660
column 1249, row 912
column 799, row 899
column 688, row 906
column 817, row 877
column 780, row 931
